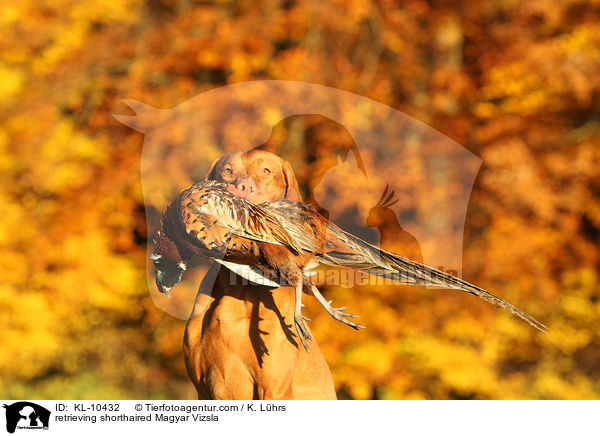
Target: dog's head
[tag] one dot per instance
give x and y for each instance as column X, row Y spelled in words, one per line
column 256, row 175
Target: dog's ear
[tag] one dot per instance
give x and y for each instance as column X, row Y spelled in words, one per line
column 212, row 171
column 292, row 192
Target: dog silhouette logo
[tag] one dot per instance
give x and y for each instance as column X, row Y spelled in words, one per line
column 26, row 415
column 337, row 142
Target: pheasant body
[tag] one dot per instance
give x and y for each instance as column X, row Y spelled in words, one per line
column 275, row 243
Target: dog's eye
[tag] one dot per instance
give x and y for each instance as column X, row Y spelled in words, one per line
column 227, row 171
column 266, row 171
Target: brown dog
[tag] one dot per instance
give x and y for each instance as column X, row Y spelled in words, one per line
column 238, row 342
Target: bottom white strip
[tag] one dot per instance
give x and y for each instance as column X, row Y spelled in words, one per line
column 32, row 417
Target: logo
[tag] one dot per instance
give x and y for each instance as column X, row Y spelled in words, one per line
column 334, row 139
column 26, row 415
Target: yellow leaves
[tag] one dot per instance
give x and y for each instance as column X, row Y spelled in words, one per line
column 209, row 58
column 26, row 319
column 373, row 357
column 6, row 159
column 517, row 167
column 361, row 390
column 11, row 82
column 239, row 65
column 459, row 367
column 105, row 11
column 63, row 26
column 579, row 306
column 583, row 280
column 465, row 329
column 546, row 76
column 110, row 277
column 67, row 39
column 449, row 34
column 509, row 80
column 509, row 326
column 64, row 156
column 583, row 41
column 522, row 89
column 11, row 217
column 11, row 13
column 15, row 267
column 485, row 110
column 565, row 337
column 357, row 10
column 551, row 384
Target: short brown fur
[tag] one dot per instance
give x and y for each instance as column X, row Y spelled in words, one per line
column 238, row 342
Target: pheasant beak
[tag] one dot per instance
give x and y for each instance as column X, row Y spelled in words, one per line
column 163, row 289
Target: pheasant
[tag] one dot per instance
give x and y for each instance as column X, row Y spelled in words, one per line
column 278, row 243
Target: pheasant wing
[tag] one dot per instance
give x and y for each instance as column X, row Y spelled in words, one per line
column 301, row 221
column 210, row 213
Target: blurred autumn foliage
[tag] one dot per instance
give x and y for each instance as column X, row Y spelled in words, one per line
column 516, row 83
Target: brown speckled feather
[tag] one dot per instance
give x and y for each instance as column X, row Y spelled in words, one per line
column 212, row 216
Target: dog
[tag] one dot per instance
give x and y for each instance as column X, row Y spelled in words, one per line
column 238, row 342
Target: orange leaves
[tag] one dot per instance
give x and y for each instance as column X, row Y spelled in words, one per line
column 516, row 83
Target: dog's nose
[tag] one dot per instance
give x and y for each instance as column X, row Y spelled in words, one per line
column 245, row 186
